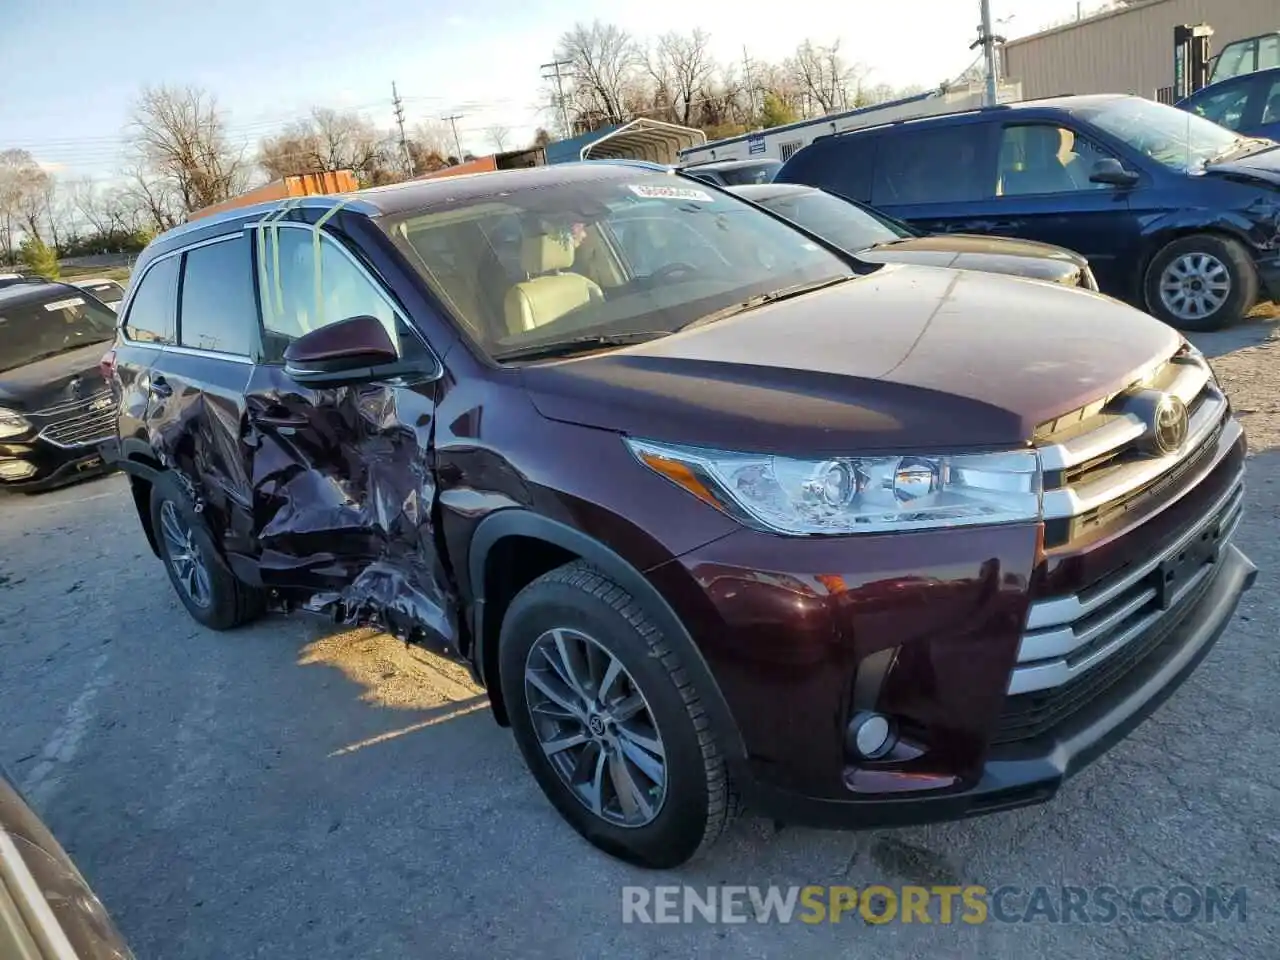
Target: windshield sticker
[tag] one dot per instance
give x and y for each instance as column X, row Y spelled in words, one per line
column 64, row 304
column 651, row 192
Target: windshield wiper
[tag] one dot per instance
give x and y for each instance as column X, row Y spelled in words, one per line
column 566, row 348
column 760, row 299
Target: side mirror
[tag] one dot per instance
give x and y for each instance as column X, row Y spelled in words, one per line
column 1110, row 170
column 354, row 350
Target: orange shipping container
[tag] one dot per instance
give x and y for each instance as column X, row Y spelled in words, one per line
column 299, row 185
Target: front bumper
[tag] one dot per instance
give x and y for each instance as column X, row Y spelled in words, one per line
column 50, row 465
column 1032, row 771
column 928, row 629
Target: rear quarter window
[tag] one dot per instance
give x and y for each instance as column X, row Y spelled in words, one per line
column 842, row 165
column 151, row 312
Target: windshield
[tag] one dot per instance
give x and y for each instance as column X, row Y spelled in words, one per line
column 1175, row 138
column 647, row 253
column 33, row 330
column 835, row 220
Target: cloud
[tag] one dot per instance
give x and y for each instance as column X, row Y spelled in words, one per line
column 456, row 21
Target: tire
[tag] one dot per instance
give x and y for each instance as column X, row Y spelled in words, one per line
column 1224, row 268
column 227, row 602
column 690, row 800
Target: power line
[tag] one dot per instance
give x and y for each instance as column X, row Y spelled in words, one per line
column 555, row 65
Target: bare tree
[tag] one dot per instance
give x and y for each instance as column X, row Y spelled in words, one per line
column 605, row 62
column 181, row 141
column 24, row 198
column 685, row 66
column 327, row 140
column 498, row 136
column 823, row 76
column 155, row 199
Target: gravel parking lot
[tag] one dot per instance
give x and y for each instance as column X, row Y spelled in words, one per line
column 284, row 791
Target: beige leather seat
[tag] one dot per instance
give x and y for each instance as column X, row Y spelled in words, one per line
column 548, row 294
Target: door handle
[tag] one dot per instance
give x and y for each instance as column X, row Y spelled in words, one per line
column 281, row 419
column 160, row 386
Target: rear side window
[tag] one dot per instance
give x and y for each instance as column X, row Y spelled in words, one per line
column 842, row 165
column 151, row 312
column 931, row 165
column 219, row 312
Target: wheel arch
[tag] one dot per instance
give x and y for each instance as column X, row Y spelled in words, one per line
column 568, row 544
column 137, row 459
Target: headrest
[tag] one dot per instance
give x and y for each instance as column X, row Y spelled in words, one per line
column 544, row 253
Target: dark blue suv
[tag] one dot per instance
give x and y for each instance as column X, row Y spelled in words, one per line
column 1176, row 214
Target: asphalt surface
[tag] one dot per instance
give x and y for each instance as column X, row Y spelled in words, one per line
column 283, row 791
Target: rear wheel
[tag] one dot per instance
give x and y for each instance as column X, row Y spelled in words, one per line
column 609, row 722
column 1201, row 282
column 204, row 583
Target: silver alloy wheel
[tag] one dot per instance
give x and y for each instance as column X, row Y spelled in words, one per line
column 184, row 555
column 1194, row 286
column 596, row 728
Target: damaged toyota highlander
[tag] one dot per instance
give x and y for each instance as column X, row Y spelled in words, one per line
column 715, row 512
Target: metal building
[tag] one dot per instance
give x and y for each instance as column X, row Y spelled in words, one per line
column 1129, row 49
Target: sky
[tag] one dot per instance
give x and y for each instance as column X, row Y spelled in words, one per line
column 74, row 67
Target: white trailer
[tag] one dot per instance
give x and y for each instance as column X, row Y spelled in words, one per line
column 779, row 143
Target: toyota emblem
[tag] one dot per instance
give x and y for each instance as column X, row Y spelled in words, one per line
column 1169, row 427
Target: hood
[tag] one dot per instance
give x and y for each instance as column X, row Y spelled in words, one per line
column 1263, row 166
column 1022, row 258
column 906, row 357
column 54, row 380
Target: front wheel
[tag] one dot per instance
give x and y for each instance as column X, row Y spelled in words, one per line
column 608, row 721
column 1201, row 282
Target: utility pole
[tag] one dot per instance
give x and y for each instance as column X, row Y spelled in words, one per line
column 751, row 87
column 404, row 143
column 555, row 66
column 988, row 40
column 452, row 120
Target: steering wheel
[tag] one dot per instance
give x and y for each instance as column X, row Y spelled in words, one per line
column 673, row 270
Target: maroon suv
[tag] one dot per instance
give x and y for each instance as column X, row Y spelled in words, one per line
column 711, row 508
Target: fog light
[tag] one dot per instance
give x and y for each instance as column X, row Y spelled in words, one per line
column 870, row 735
column 16, row 469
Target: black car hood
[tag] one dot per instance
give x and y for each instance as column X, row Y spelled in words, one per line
column 60, row 379
column 961, row 251
column 905, row 357
column 1263, row 165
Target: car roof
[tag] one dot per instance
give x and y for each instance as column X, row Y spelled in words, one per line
column 1067, row 102
column 731, row 164
column 760, row 192
column 407, row 197
column 33, row 291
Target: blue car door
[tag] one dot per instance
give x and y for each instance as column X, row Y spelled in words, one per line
column 1043, row 191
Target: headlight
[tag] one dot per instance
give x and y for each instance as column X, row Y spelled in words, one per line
column 12, row 424
column 844, row 495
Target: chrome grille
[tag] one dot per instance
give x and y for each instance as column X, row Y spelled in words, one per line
column 1066, row 637
column 1093, row 458
column 82, row 421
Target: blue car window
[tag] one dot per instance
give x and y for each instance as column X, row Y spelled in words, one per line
column 1224, row 107
column 1043, row 158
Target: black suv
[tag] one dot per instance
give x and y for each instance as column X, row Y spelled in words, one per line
column 1174, row 213
column 55, row 406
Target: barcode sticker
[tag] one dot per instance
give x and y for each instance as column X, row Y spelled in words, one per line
column 651, row 192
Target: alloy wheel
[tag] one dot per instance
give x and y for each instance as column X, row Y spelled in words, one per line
column 596, row 728
column 185, row 556
column 1194, row 286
